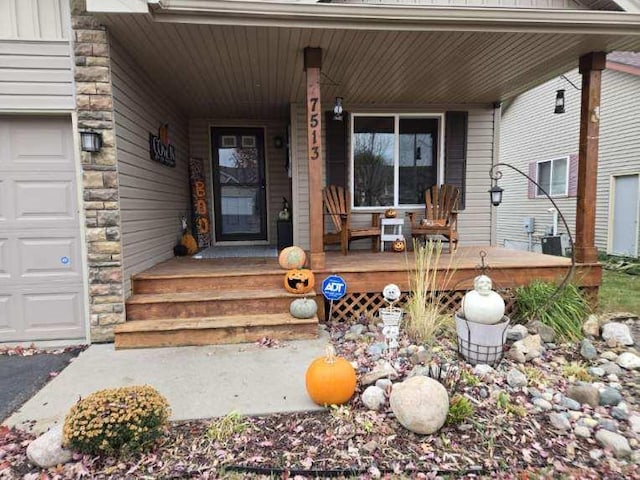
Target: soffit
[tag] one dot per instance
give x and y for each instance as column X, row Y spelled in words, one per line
column 257, row 71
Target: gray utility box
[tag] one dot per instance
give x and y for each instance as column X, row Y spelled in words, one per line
column 552, row 245
column 529, row 224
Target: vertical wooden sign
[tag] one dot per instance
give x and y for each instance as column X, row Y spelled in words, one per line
column 312, row 65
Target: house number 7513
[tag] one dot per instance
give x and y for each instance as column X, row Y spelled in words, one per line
column 314, row 127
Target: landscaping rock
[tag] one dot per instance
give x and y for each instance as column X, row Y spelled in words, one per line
column 46, row 451
column 608, row 424
column 481, row 370
column 609, row 355
column 376, row 350
column 591, row 327
column 517, row 332
column 628, row 360
column 634, row 423
column 570, row 403
column 582, row 431
column 618, row 331
column 584, row 394
column 542, row 403
column 420, row 404
column 547, row 334
column 384, row 384
column 614, row 441
column 610, row 396
column 559, row 421
column 587, row 350
column 588, row 422
column 381, row 370
column 516, row 379
column 373, row 397
column 620, row 411
column 611, row 368
column 527, row 349
column 596, row 371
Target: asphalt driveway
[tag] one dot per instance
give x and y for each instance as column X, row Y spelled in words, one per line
column 22, row 376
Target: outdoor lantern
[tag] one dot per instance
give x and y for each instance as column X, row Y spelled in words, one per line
column 496, row 194
column 337, row 109
column 91, row 141
column 559, row 101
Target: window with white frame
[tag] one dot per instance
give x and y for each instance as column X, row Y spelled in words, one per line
column 553, row 176
column 394, row 158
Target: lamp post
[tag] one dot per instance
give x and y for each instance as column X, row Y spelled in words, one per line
column 496, row 198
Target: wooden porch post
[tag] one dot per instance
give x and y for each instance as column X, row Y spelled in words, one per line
column 312, row 65
column 591, row 66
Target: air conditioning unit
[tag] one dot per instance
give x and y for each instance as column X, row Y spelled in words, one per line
column 552, row 245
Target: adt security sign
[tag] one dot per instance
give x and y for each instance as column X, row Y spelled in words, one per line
column 334, row 287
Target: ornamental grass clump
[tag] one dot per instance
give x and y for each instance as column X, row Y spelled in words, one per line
column 116, row 421
column 564, row 312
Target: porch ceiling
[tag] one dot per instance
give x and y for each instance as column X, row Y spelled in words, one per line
column 256, row 71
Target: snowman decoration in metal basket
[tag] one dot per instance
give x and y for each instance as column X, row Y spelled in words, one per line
column 391, row 316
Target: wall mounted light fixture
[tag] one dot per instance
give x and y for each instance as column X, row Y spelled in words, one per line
column 559, row 101
column 90, row 141
column 337, row 109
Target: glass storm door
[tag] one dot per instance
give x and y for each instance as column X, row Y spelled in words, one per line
column 239, row 184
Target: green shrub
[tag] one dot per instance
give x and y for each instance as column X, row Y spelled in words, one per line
column 116, row 421
column 564, row 312
column 460, row 409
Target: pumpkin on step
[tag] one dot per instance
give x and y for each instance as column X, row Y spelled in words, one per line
column 190, row 243
column 292, row 257
column 398, row 245
column 299, row 280
column 303, row 308
column 330, row 380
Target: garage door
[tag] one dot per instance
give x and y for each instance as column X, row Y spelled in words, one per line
column 41, row 287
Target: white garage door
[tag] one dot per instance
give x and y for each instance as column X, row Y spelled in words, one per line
column 41, row 287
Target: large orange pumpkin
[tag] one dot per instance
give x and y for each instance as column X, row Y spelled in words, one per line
column 299, row 280
column 330, row 380
column 292, row 257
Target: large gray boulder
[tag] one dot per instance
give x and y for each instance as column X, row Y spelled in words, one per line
column 47, row 451
column 420, row 404
column 617, row 331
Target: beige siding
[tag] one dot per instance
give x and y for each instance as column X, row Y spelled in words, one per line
column 277, row 179
column 474, row 221
column 34, row 19
column 563, row 4
column 530, row 132
column 152, row 196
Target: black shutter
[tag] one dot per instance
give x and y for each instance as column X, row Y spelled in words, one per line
column 455, row 152
column 337, row 155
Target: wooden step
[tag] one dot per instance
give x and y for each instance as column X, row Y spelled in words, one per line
column 207, row 282
column 213, row 330
column 208, row 304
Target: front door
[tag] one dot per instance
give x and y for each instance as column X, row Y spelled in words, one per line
column 239, row 184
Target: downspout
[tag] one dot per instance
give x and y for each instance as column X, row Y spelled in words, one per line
column 495, row 158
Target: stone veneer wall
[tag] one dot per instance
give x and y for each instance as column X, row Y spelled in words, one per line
column 94, row 107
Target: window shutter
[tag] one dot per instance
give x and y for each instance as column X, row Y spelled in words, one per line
column 455, row 152
column 337, row 156
column 573, row 175
column 531, row 186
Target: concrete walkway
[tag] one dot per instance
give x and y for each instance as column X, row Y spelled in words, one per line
column 198, row 382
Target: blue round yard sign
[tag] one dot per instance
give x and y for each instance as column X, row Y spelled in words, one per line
column 334, row 287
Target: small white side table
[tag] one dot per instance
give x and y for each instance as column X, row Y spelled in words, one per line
column 390, row 230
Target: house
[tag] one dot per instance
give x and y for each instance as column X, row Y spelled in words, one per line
column 545, row 145
column 118, row 118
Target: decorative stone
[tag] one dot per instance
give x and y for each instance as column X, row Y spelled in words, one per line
column 384, row 384
column 596, row 371
column 618, row 331
column 547, row 334
column 609, row 355
column 634, row 423
column 584, row 394
column 628, row 360
column 611, row 368
column 570, row 403
column 526, row 349
column 542, row 403
column 620, row 411
column 46, row 451
column 376, row 350
column 559, row 421
column 610, row 396
column 516, row 379
column 382, row 369
column 517, row 332
column 608, row 424
column 420, row 404
column 587, row 350
column 482, row 369
column 482, row 305
column 373, row 397
column 591, row 327
column 614, row 441
column 588, row 422
column 582, row 432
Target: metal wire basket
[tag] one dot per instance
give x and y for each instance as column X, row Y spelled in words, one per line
column 481, row 344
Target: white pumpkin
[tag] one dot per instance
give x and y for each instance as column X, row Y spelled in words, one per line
column 303, row 308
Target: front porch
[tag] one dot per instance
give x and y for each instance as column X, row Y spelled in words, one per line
column 184, row 301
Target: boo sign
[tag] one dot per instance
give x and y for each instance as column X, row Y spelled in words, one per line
column 334, row 287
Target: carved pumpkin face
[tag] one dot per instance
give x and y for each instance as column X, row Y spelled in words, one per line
column 299, row 280
column 390, row 213
column 398, row 245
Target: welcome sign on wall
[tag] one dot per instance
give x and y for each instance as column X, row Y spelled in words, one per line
column 160, row 147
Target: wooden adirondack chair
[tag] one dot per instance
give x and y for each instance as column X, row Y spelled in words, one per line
column 441, row 216
column 337, row 204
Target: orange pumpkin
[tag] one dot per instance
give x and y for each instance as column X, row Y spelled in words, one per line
column 330, row 380
column 292, row 257
column 190, row 243
column 398, row 245
column 390, row 213
column 299, row 280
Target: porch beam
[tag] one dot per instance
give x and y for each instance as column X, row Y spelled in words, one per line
column 312, row 66
column 590, row 67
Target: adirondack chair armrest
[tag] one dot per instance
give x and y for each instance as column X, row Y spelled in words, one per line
column 453, row 218
column 375, row 219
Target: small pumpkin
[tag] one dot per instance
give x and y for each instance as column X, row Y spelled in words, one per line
column 299, row 280
column 398, row 245
column 303, row 308
column 390, row 213
column 190, row 243
column 330, row 380
column 292, row 257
